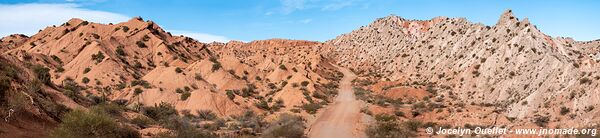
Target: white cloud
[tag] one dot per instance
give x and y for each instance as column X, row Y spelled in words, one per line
column 337, row 5
column 305, row 21
column 202, row 37
column 29, row 18
column 289, row 6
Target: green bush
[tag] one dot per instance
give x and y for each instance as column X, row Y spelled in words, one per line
column 80, row 124
column 86, row 70
column 388, row 130
column 282, row 67
column 286, row 126
column 564, row 110
column 98, row 57
column 304, row 83
column 216, row 66
column 142, row 121
column 230, row 94
column 125, row 28
column 198, row 76
column 262, row 104
column 185, row 96
column 42, row 73
column 57, row 59
column 85, row 80
column 141, row 44
column 120, row 51
column 178, row 70
column 311, row 108
column 206, row 115
column 138, row 91
column 109, row 108
column 161, row 111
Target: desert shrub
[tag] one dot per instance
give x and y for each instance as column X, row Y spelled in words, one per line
column 141, row 44
column 216, row 66
column 304, row 83
column 179, row 90
column 109, row 108
column 541, row 121
column 86, row 70
column 585, row 80
column 286, row 126
column 120, row 51
column 230, row 94
column 413, row 125
column 278, row 105
column 282, row 67
column 182, row 128
column 564, row 110
column 198, row 76
column 98, row 57
column 161, row 111
column 588, row 108
column 79, row 123
column 71, row 88
column 388, row 129
column 185, row 96
column 85, row 80
column 213, row 60
column 42, row 73
column 142, row 121
column 137, row 64
column 4, row 86
column 178, row 70
column 125, row 28
column 138, row 91
column 57, row 59
column 206, row 115
column 311, row 108
column 250, row 120
column 262, row 104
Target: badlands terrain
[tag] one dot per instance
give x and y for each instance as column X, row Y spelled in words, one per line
column 391, row 78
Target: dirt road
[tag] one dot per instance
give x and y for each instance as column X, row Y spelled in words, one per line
column 342, row 118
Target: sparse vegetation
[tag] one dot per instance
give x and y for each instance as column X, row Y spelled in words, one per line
column 137, row 91
column 287, row 126
column 85, row 80
column 564, row 110
column 98, row 57
column 141, row 44
column 185, row 96
column 178, row 70
column 86, row 70
column 91, row 124
column 282, row 67
column 311, row 108
column 42, row 73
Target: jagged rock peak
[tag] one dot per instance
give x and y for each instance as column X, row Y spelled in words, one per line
column 507, row 17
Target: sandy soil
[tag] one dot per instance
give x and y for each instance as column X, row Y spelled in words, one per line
column 343, row 117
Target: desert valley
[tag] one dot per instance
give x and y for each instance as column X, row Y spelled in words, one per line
column 394, row 77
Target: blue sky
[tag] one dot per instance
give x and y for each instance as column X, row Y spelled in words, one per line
column 319, row 20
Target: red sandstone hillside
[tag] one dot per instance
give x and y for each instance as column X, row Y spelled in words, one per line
column 138, row 63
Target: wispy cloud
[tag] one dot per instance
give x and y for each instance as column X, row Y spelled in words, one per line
column 337, row 5
column 305, row 21
column 202, row 37
column 290, row 6
column 28, row 18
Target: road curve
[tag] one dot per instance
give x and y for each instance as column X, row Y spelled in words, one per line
column 340, row 119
